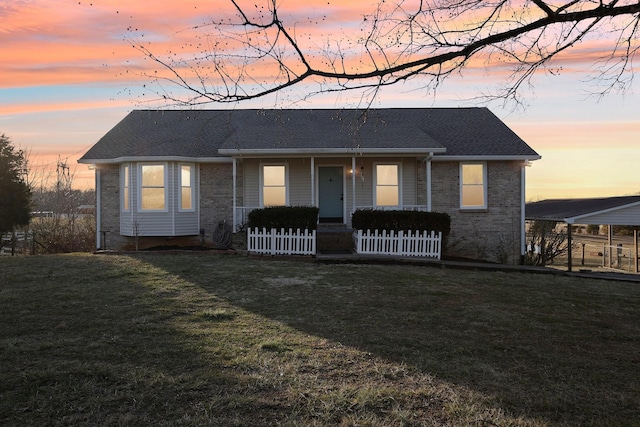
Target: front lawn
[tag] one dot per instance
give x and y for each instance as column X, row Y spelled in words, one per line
column 209, row 339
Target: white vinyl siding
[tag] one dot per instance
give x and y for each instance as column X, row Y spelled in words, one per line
column 619, row 216
column 299, row 182
column 408, row 176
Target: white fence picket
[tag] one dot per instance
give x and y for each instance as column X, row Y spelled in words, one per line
column 411, row 243
column 281, row 242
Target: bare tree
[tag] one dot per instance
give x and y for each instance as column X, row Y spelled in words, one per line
column 62, row 220
column 260, row 49
column 545, row 243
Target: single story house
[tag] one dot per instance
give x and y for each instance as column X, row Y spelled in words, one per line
column 173, row 175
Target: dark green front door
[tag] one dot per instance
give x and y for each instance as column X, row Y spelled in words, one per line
column 330, row 193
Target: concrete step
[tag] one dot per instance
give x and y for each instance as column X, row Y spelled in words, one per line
column 334, row 240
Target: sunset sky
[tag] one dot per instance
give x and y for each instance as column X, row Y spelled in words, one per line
column 68, row 74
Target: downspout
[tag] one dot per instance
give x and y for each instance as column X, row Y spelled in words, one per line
column 98, row 210
column 173, row 194
column 428, row 178
column 523, row 214
column 235, row 200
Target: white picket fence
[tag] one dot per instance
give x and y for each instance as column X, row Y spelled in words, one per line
column 409, row 243
column 281, row 242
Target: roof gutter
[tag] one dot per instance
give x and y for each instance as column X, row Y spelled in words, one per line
column 451, row 158
column 298, row 152
column 125, row 159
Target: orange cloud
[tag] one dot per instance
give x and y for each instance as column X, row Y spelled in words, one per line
column 30, row 106
column 67, row 42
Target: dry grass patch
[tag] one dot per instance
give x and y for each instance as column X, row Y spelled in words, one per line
column 202, row 339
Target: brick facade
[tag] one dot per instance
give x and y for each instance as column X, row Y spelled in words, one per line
column 109, row 226
column 216, row 195
column 491, row 234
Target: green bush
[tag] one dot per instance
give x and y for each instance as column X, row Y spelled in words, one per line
column 367, row 219
column 302, row 217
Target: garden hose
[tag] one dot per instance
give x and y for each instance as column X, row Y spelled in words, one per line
column 222, row 236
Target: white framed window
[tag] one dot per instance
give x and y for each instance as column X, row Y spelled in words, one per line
column 187, row 185
column 125, row 202
column 473, row 185
column 387, row 184
column 153, row 187
column 274, row 185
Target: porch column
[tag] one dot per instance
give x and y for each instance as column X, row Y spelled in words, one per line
column 635, row 251
column 428, row 179
column 569, row 249
column 353, row 184
column 235, row 202
column 313, row 181
column 610, row 243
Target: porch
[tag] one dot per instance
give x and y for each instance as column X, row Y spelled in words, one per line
column 338, row 186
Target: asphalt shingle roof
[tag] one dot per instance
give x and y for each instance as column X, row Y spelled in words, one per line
column 201, row 133
column 561, row 209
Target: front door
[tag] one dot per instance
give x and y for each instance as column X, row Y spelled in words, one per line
column 331, row 193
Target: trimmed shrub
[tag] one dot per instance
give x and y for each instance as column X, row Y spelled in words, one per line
column 368, row 219
column 302, row 217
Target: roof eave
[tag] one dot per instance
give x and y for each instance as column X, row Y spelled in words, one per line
column 470, row 158
column 126, row 159
column 328, row 152
column 603, row 211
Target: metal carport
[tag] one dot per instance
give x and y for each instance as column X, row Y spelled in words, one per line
column 623, row 210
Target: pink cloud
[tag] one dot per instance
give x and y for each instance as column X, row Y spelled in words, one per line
column 47, row 43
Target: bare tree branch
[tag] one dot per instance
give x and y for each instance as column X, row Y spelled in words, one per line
column 257, row 54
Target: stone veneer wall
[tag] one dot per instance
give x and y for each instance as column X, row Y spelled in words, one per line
column 492, row 234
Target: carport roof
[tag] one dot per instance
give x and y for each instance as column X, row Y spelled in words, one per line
column 623, row 210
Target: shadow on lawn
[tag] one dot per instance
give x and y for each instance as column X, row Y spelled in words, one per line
column 108, row 351
column 563, row 353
